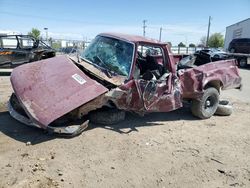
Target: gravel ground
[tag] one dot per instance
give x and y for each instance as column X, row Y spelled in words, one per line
column 159, row 150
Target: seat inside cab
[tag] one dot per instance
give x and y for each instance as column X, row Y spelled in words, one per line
column 150, row 63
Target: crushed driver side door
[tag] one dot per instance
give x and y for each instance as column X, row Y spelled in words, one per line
column 142, row 96
column 160, row 95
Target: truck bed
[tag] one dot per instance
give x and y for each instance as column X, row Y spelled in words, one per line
column 219, row 74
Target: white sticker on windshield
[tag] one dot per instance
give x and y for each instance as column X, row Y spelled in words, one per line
column 79, row 79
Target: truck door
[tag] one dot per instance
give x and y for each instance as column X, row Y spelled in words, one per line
column 7, row 45
column 162, row 92
column 14, row 51
column 153, row 87
column 142, row 96
column 160, row 95
column 23, row 52
column 5, row 57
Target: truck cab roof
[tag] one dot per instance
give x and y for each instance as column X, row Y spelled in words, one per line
column 132, row 38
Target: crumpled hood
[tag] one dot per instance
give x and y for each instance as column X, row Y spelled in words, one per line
column 51, row 88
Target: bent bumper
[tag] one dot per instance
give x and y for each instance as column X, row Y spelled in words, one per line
column 71, row 130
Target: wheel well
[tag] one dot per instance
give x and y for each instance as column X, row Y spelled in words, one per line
column 215, row 83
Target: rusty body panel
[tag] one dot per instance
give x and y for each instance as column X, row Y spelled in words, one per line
column 51, row 89
column 56, row 89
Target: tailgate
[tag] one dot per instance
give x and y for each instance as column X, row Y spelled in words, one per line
column 51, row 88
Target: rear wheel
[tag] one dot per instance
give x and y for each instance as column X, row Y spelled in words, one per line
column 206, row 106
column 216, row 56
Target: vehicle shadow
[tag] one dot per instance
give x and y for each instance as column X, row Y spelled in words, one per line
column 20, row 132
column 23, row 133
column 133, row 121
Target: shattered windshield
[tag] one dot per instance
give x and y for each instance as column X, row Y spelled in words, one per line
column 109, row 53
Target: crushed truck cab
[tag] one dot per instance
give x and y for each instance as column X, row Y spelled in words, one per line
column 115, row 73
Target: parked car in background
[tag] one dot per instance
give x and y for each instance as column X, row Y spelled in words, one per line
column 209, row 55
column 68, row 50
column 214, row 53
column 19, row 49
column 241, row 45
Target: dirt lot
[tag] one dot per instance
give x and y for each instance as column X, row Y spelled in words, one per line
column 159, row 150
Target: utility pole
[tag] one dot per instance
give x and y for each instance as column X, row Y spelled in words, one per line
column 160, row 34
column 144, row 27
column 46, row 30
column 208, row 30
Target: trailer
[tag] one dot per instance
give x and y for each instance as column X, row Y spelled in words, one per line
column 242, row 59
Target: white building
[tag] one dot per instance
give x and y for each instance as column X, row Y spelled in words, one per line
column 237, row 30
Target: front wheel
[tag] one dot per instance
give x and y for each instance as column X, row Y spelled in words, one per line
column 107, row 116
column 205, row 107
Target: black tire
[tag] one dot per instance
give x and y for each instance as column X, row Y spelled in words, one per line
column 216, row 56
column 243, row 63
column 207, row 105
column 107, row 116
column 224, row 108
column 37, row 58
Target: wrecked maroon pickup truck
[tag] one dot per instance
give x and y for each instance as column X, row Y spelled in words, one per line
column 115, row 73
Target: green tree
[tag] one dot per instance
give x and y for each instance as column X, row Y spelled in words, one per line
column 200, row 46
column 216, row 40
column 56, row 45
column 181, row 44
column 35, row 33
column 191, row 45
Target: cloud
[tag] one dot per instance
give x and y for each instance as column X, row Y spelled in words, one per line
column 183, row 32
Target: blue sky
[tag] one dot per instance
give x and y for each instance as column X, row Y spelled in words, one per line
column 182, row 21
